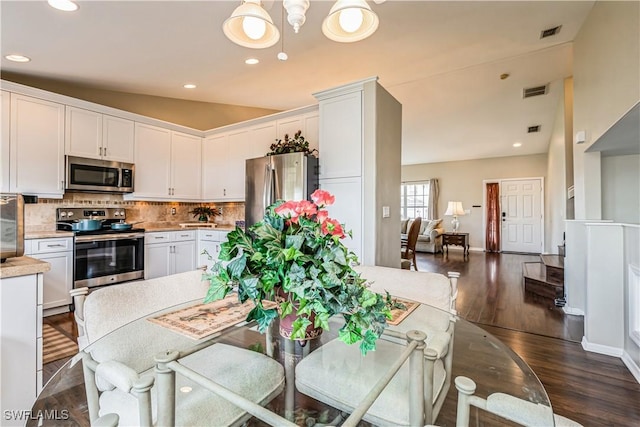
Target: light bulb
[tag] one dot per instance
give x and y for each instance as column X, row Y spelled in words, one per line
column 253, row 27
column 350, row 19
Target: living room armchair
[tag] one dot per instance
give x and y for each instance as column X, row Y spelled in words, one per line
column 429, row 237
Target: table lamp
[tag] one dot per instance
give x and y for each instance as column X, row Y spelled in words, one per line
column 455, row 209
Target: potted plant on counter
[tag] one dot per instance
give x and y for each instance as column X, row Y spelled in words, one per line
column 203, row 213
column 295, row 258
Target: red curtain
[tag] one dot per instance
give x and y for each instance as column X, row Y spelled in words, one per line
column 493, row 217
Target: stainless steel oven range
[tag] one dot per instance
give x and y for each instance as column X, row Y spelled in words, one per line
column 107, row 250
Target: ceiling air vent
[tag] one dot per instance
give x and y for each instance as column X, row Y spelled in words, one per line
column 535, row 91
column 533, row 129
column 550, row 32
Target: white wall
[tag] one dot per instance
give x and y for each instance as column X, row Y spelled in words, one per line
column 621, row 188
column 631, row 356
column 555, row 184
column 462, row 181
column 606, row 86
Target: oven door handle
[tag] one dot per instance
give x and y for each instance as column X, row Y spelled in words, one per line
column 103, row 237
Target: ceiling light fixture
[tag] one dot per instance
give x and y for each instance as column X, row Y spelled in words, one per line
column 517, row 144
column 252, row 61
column 350, row 21
column 17, row 58
column 251, row 26
column 64, row 5
column 189, row 86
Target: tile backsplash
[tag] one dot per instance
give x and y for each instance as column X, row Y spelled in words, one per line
column 41, row 216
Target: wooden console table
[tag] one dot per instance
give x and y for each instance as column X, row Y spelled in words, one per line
column 458, row 239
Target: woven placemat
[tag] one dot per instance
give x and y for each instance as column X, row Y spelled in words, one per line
column 201, row 320
column 398, row 314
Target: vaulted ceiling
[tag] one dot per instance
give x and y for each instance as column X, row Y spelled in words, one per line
column 441, row 60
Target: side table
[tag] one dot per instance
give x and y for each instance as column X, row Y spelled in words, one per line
column 458, row 239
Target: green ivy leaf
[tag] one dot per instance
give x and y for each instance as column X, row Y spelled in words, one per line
column 248, row 288
column 368, row 299
column 349, row 333
column 293, row 241
column 286, row 308
column 236, row 267
column 299, row 328
column 262, row 317
column 218, row 289
column 368, row 343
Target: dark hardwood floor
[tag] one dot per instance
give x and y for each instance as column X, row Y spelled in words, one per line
column 592, row 389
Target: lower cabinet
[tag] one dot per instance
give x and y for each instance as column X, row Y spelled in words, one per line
column 20, row 345
column 209, row 241
column 169, row 252
column 59, row 280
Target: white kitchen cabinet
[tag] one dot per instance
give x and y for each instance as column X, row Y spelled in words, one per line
column 98, row 136
column 224, row 157
column 58, row 281
column 347, row 208
column 169, row 252
column 215, row 158
column 20, row 343
column 341, row 134
column 36, row 147
column 153, row 162
column 5, row 106
column 306, row 123
column 185, row 166
column 360, row 128
column 209, row 241
column 167, row 164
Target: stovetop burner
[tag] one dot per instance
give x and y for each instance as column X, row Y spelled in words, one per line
column 67, row 216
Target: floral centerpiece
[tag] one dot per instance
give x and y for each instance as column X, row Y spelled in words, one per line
column 295, row 258
column 296, row 144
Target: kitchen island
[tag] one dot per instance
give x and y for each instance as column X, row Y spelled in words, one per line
column 20, row 336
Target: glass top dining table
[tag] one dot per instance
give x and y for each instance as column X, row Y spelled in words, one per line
column 476, row 354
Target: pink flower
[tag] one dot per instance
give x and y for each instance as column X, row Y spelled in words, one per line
column 306, row 208
column 333, row 227
column 322, row 198
column 288, row 210
column 322, row 215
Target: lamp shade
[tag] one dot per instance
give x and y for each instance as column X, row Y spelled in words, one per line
column 251, row 26
column 350, row 21
column 455, row 209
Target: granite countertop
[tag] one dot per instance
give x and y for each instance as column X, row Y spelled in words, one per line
column 22, row 266
column 46, row 234
column 159, row 226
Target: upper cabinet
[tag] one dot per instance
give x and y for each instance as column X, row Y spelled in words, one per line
column 224, row 157
column 5, row 98
column 342, row 136
column 98, row 136
column 306, row 123
column 168, row 164
column 36, row 147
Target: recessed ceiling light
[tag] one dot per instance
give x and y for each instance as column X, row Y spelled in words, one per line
column 517, row 144
column 251, row 61
column 17, row 58
column 186, row 389
column 64, row 5
column 189, row 86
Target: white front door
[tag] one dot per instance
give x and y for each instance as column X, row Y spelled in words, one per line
column 521, row 215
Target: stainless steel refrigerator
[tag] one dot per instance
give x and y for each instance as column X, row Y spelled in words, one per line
column 292, row 176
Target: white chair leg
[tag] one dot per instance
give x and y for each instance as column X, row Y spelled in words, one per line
column 466, row 387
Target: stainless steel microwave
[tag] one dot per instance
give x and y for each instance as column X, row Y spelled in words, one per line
column 98, row 175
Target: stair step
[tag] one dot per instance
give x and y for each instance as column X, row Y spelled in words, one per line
column 555, row 261
column 536, row 281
